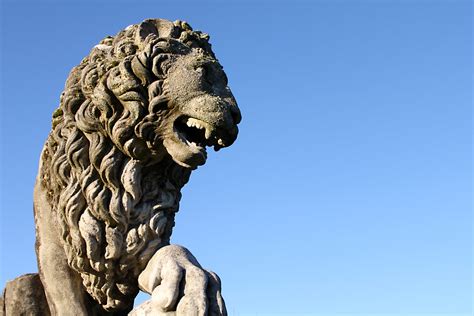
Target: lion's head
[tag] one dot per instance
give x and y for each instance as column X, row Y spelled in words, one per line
column 135, row 118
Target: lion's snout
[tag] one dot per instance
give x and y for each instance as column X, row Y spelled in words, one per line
column 220, row 113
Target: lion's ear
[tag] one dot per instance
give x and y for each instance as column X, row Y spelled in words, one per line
column 158, row 27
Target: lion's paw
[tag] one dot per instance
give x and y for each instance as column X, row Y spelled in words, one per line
column 179, row 286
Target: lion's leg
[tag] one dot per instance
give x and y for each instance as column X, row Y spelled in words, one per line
column 62, row 286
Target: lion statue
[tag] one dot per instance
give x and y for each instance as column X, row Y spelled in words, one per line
column 134, row 120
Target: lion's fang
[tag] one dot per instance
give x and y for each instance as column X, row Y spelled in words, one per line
column 192, row 122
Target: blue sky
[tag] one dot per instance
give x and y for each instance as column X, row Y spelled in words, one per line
column 349, row 189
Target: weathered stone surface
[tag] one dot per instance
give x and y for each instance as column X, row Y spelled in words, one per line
column 25, row 296
column 147, row 309
column 134, row 120
column 169, row 267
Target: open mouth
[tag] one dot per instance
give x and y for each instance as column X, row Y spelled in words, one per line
column 196, row 133
column 190, row 138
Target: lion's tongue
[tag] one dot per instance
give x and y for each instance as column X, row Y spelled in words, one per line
column 187, row 156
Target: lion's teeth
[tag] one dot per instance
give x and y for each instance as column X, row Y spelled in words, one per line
column 191, row 122
column 208, row 133
column 220, row 142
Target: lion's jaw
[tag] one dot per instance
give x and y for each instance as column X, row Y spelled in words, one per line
column 205, row 113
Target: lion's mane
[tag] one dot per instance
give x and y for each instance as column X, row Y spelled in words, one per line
column 113, row 190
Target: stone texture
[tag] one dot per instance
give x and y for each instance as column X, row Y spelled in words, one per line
column 25, row 296
column 168, row 268
column 134, row 120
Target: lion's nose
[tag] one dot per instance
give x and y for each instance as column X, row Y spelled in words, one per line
column 229, row 128
column 235, row 113
column 227, row 136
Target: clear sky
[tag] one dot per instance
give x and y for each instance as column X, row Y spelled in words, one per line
column 349, row 189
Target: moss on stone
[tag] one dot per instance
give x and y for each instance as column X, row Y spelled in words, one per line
column 58, row 112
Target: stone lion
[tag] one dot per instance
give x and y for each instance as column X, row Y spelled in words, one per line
column 134, row 120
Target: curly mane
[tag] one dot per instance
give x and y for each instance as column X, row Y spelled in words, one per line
column 110, row 184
